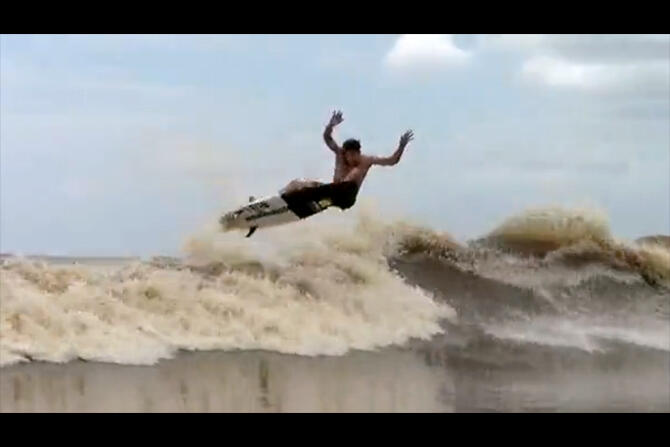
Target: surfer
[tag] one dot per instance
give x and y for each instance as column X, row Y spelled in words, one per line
column 351, row 167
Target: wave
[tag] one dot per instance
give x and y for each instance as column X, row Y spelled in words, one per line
column 305, row 290
column 657, row 239
column 578, row 237
column 553, row 277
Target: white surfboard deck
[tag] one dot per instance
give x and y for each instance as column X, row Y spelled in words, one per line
column 266, row 212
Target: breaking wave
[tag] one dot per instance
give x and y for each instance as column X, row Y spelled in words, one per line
column 550, row 277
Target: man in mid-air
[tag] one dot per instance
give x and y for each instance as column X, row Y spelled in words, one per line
column 351, row 167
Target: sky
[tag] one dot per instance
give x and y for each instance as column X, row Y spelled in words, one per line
column 125, row 144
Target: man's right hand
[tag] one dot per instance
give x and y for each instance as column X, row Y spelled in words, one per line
column 335, row 119
column 406, row 138
column 328, row 131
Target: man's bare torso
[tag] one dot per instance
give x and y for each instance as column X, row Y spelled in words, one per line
column 346, row 173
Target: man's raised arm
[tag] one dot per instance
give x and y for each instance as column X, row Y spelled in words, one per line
column 328, row 132
column 395, row 158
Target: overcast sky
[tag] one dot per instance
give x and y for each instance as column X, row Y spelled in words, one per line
column 126, row 144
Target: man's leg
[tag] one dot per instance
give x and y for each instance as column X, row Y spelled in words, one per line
column 297, row 184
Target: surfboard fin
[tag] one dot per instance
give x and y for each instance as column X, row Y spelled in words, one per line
column 252, row 230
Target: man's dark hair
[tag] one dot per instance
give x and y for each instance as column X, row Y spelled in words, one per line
column 352, row 145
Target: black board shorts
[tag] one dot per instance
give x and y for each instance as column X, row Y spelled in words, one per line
column 307, row 201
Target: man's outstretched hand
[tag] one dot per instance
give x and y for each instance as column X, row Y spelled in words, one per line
column 406, row 138
column 335, row 119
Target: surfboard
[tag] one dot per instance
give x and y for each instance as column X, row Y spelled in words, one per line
column 273, row 210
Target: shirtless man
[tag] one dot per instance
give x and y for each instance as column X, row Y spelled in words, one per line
column 351, row 166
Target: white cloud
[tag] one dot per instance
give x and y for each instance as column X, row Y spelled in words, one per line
column 610, row 48
column 633, row 65
column 559, row 72
column 425, row 52
column 642, row 78
column 585, row 48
